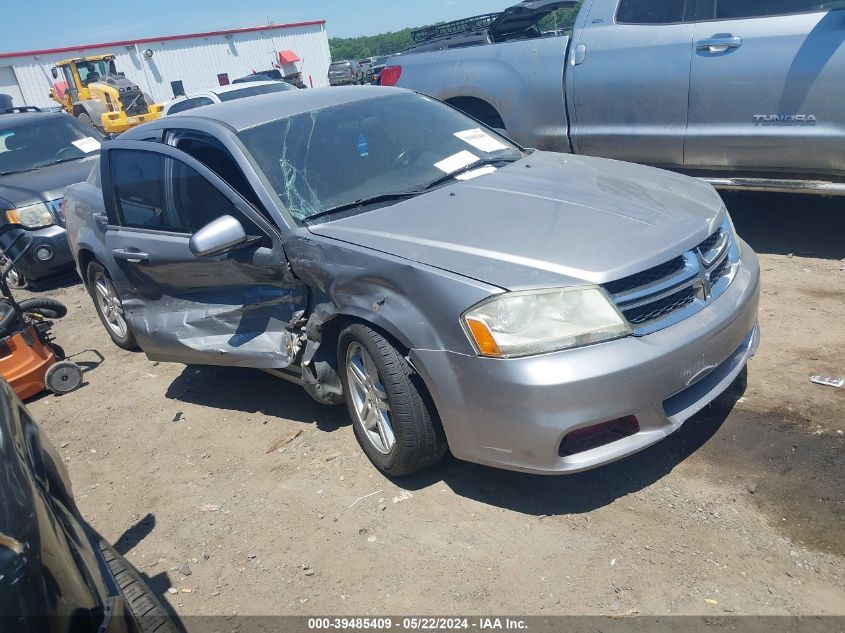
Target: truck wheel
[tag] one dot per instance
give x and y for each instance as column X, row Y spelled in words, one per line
column 109, row 307
column 63, row 377
column 148, row 611
column 393, row 422
column 85, row 118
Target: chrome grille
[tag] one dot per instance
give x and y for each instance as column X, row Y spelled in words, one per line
column 719, row 271
column 677, row 289
column 661, row 307
column 646, row 277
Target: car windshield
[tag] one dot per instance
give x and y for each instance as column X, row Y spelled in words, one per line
column 44, row 141
column 366, row 151
column 251, row 91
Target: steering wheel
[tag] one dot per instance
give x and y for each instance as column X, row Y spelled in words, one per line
column 407, row 157
column 66, row 152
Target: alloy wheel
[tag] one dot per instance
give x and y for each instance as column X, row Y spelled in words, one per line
column 14, row 278
column 109, row 304
column 369, row 399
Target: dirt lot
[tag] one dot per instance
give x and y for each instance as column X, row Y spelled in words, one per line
column 742, row 511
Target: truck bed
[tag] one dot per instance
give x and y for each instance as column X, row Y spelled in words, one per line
column 522, row 80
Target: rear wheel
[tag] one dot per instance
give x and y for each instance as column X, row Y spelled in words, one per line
column 393, row 422
column 109, row 307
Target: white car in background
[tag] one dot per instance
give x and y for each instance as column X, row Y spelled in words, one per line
column 225, row 93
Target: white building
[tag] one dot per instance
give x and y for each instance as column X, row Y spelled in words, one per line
column 199, row 60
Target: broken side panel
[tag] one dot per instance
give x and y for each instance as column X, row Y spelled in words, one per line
column 413, row 303
column 231, row 309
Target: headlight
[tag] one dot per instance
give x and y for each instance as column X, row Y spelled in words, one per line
column 32, row 216
column 540, row 321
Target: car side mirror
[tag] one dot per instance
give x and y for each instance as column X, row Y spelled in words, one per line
column 217, row 237
column 55, row 72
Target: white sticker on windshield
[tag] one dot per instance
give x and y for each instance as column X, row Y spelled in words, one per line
column 481, row 140
column 475, row 173
column 456, row 162
column 87, row 144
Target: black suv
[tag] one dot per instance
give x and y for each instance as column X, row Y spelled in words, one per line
column 41, row 153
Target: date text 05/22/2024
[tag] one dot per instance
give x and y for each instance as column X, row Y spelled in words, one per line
column 417, row 624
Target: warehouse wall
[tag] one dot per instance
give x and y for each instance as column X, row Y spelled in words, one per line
column 194, row 61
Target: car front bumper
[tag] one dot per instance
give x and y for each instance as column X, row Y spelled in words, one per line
column 54, row 239
column 117, row 122
column 515, row 413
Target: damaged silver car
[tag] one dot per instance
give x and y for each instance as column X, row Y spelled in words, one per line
column 532, row 311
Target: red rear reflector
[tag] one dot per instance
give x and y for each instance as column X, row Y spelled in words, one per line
column 597, row 435
column 390, row 75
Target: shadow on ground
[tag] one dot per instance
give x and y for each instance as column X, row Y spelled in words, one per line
column 253, row 391
column 780, row 224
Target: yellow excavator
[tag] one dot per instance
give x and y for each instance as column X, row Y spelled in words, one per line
column 91, row 89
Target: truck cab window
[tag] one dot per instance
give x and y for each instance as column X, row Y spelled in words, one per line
column 653, row 11
column 736, row 9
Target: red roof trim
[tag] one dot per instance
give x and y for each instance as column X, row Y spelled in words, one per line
column 166, row 38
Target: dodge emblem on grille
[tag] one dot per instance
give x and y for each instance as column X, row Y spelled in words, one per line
column 703, row 289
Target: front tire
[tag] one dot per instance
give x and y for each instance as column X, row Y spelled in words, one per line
column 15, row 278
column 109, row 307
column 393, row 422
column 149, row 613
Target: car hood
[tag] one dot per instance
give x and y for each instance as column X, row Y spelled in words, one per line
column 544, row 221
column 45, row 183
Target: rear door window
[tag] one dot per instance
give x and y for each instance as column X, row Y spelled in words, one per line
column 738, row 9
column 656, row 11
column 279, row 86
column 189, row 104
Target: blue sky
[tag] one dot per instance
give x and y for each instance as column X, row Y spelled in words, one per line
column 53, row 24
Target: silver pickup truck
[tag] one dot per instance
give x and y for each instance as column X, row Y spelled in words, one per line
column 746, row 94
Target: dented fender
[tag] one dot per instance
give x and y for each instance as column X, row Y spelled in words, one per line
column 418, row 305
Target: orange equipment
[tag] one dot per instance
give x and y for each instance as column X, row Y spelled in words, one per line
column 29, row 360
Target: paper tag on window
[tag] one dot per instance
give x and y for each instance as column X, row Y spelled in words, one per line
column 87, row 144
column 475, row 173
column 456, row 162
column 481, row 140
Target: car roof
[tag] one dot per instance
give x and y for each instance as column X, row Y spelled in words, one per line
column 241, row 114
column 13, row 119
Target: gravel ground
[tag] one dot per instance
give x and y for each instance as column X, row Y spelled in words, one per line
column 741, row 511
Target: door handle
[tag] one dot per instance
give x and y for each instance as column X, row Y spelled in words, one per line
column 100, row 218
column 130, row 255
column 719, row 44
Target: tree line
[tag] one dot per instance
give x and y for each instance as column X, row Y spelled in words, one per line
column 398, row 41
